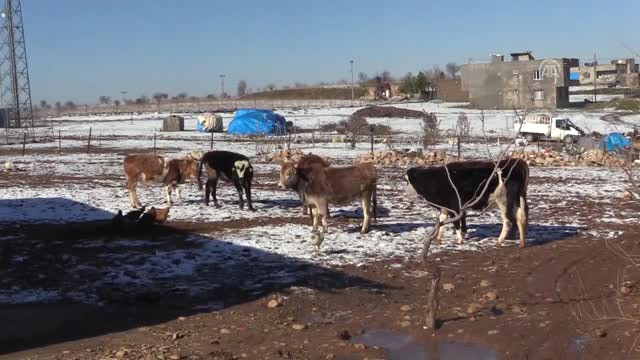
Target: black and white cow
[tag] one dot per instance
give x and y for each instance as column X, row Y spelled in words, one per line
column 507, row 190
column 229, row 166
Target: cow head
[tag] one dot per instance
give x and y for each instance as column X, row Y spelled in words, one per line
column 188, row 167
column 242, row 168
column 288, row 176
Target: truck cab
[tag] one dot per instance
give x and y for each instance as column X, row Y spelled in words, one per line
column 543, row 126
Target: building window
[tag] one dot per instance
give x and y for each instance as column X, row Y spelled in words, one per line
column 537, row 75
column 515, row 72
column 538, row 95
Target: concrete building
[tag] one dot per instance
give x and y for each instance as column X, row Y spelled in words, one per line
column 523, row 82
column 622, row 72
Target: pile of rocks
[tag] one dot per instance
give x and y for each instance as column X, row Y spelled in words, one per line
column 406, row 157
column 285, row 155
column 549, row 157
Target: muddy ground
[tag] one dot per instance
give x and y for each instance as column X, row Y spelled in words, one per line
column 573, row 297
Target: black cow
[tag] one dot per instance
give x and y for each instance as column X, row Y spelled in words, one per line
column 507, row 190
column 231, row 167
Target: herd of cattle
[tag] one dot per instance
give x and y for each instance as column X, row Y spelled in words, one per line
column 464, row 185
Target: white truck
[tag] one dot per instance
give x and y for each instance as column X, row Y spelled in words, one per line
column 543, row 126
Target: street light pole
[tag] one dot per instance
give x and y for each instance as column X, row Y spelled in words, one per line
column 222, row 76
column 352, row 91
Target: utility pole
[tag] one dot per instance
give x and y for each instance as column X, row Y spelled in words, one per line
column 595, row 79
column 15, row 88
column 222, row 76
column 353, row 96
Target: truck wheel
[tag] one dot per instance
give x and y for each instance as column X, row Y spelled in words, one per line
column 568, row 139
column 530, row 138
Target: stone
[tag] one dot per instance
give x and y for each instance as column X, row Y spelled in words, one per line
column 517, row 309
column 493, row 332
column 225, row 331
column 274, row 303
column 600, row 332
column 344, row 335
column 175, row 357
column 473, row 308
column 405, row 308
column 405, row 323
column 485, row 283
column 448, row 287
column 299, row 326
column 359, row 346
column 491, row 295
column 122, row 353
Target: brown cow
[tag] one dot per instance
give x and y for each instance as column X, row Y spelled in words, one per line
column 288, row 170
column 338, row 185
column 157, row 169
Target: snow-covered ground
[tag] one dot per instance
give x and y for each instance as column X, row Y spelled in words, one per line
column 496, row 122
column 54, row 188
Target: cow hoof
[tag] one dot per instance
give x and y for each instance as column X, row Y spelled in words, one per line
column 252, row 209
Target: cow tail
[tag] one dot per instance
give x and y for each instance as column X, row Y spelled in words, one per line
column 200, row 174
column 375, row 205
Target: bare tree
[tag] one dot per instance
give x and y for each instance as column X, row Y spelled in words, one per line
column 160, row 96
column 58, row 106
column 43, row 104
column 363, row 78
column 386, row 76
column 183, row 95
column 271, row 86
column 70, row 105
column 116, row 103
column 211, row 97
column 242, row 88
column 430, row 129
column 104, row 100
column 452, row 69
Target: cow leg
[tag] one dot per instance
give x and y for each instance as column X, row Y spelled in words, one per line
column 440, row 226
column 457, row 227
column 463, row 222
column 506, row 222
column 247, row 190
column 177, row 188
column 321, row 210
column 521, row 220
column 239, row 190
column 211, row 187
column 167, row 190
column 366, row 211
column 314, row 215
column 133, row 193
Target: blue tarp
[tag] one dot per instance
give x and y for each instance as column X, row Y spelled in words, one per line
column 614, row 141
column 574, row 76
column 257, row 122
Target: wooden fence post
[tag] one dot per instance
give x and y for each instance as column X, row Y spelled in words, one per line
column 89, row 142
column 24, row 141
column 211, row 146
column 59, row 142
column 432, row 300
column 154, row 142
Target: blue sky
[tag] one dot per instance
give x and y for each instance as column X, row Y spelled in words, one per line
column 79, row 50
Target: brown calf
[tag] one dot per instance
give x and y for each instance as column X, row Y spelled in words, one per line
column 339, row 185
column 288, row 172
column 160, row 170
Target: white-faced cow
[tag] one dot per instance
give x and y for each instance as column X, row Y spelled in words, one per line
column 337, row 185
column 228, row 166
column 507, row 190
column 160, row 170
column 288, row 170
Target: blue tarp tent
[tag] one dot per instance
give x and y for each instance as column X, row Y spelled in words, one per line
column 257, row 122
column 614, row 141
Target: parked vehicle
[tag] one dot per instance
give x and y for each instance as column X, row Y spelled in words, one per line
column 543, row 126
